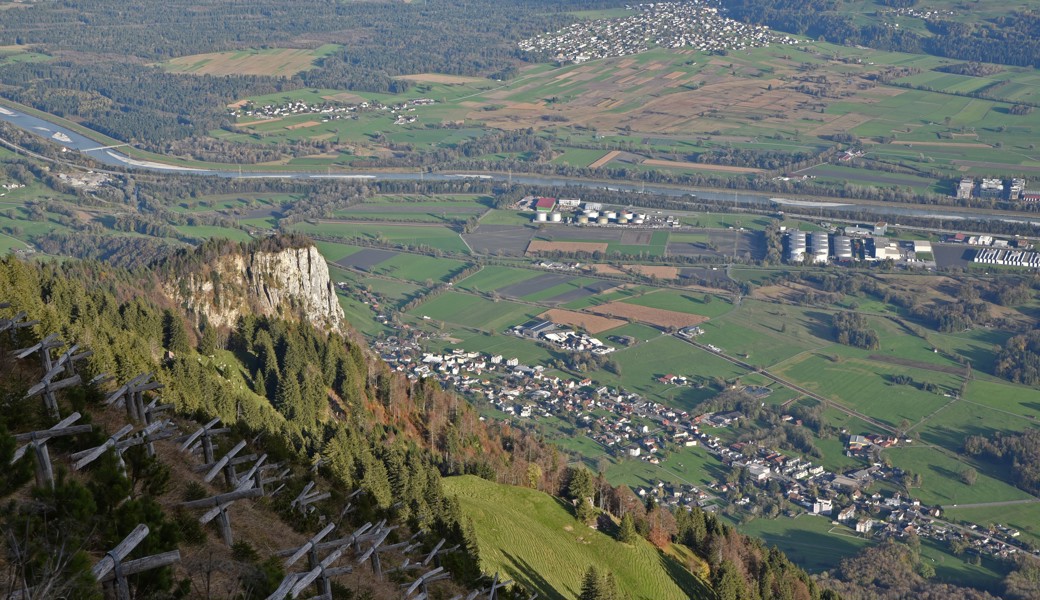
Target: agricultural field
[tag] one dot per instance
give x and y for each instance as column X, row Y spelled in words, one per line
column 704, row 305
column 643, row 364
column 418, row 268
column 941, row 477
column 530, row 537
column 475, row 312
column 685, row 466
column 278, row 62
column 435, row 237
column 491, row 278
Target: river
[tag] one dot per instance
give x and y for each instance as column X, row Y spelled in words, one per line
column 112, row 157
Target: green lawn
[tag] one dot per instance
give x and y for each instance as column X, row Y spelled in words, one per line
column 531, row 538
column 685, row 466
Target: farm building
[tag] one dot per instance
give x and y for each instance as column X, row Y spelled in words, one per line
column 545, row 205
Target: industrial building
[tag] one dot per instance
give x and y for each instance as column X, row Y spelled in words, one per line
column 842, row 247
column 796, row 245
column 545, row 205
column 820, row 244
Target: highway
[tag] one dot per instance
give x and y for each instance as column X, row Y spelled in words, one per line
column 97, row 147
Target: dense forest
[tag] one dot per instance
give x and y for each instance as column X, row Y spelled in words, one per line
column 1019, row 359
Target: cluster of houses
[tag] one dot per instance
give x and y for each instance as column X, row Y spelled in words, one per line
column 328, row 110
column 918, row 12
column 628, row 425
column 875, row 515
column 666, row 24
column 565, row 339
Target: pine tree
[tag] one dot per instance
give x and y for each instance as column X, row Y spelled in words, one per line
column 728, row 582
column 175, row 336
column 591, row 588
column 208, row 341
column 627, row 531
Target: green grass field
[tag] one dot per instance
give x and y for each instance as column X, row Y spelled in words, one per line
column 417, row 236
column 531, row 538
column 866, row 386
column 684, row 302
column 663, row 355
column 491, row 278
column 419, row 268
column 475, row 312
column 942, row 481
column 201, row 232
column 1023, row 517
column 809, row 540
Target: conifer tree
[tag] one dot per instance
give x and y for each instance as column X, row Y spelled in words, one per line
column 627, row 530
column 590, row 585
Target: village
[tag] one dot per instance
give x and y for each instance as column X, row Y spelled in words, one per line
column 666, row 24
column 329, row 111
column 760, row 481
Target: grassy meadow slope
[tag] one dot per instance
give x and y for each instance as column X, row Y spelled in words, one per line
column 532, row 538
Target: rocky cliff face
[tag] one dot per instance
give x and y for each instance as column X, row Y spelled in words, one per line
column 293, row 284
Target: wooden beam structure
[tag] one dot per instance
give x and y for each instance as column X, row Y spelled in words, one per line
column 131, row 395
column 218, row 507
column 152, row 433
column 112, row 571
column 204, row 436
column 46, row 387
column 37, row 442
column 306, row 498
column 16, row 323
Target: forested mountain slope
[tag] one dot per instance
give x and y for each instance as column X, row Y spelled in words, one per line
column 287, row 391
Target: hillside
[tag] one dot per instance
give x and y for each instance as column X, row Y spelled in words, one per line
column 533, row 539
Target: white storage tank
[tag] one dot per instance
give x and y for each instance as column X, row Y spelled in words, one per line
column 555, row 217
column 541, row 217
column 610, row 214
column 583, row 220
column 603, row 220
column 638, row 221
column 592, row 214
column 622, row 220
